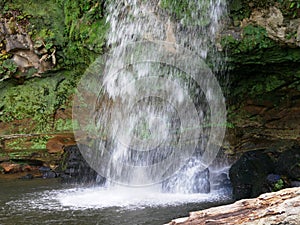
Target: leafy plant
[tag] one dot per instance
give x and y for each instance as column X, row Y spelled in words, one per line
column 295, row 6
column 7, row 69
column 278, row 185
column 37, row 99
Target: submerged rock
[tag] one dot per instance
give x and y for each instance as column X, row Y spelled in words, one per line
column 282, row 207
column 47, row 172
column 27, row 177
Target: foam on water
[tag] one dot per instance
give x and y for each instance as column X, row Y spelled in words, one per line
column 128, row 198
column 116, row 197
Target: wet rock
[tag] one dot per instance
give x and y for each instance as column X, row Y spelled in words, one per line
column 221, row 180
column 43, row 169
column 185, row 182
column 75, row 169
column 201, row 182
column 22, row 62
column 249, row 174
column 27, row 177
column 289, row 163
column 49, row 174
column 295, row 184
column 256, row 172
column 282, row 207
column 272, row 20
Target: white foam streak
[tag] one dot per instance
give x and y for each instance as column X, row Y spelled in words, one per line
column 128, row 198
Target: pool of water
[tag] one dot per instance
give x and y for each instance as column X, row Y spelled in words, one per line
column 41, row 201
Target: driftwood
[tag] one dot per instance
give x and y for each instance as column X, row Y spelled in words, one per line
column 282, row 207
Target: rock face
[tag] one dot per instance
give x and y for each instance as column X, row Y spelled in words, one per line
column 26, row 54
column 282, row 207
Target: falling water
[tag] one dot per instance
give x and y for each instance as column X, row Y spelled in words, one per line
column 155, row 110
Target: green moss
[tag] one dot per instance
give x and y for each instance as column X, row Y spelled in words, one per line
column 46, row 19
column 184, row 10
column 64, row 125
column 253, row 38
column 39, row 142
column 37, row 99
column 240, row 9
column 86, row 30
column 28, row 143
column 16, row 144
column 266, row 84
column 7, row 68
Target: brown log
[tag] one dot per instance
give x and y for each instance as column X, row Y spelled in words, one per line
column 282, row 207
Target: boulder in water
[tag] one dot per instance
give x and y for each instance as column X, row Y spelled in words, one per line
column 27, row 177
column 186, row 182
column 201, row 182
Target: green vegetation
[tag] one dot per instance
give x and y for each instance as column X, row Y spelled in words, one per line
column 278, row 185
column 63, row 124
column 240, row 9
column 28, row 143
column 37, row 99
column 39, row 142
column 254, row 38
column 182, row 10
column 75, row 31
column 86, row 30
column 7, row 67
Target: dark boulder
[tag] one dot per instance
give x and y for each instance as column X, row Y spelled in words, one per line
column 256, row 172
column 47, row 172
column 75, row 169
column 288, row 163
column 249, row 174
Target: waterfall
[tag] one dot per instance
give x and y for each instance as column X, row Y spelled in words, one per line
column 151, row 110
